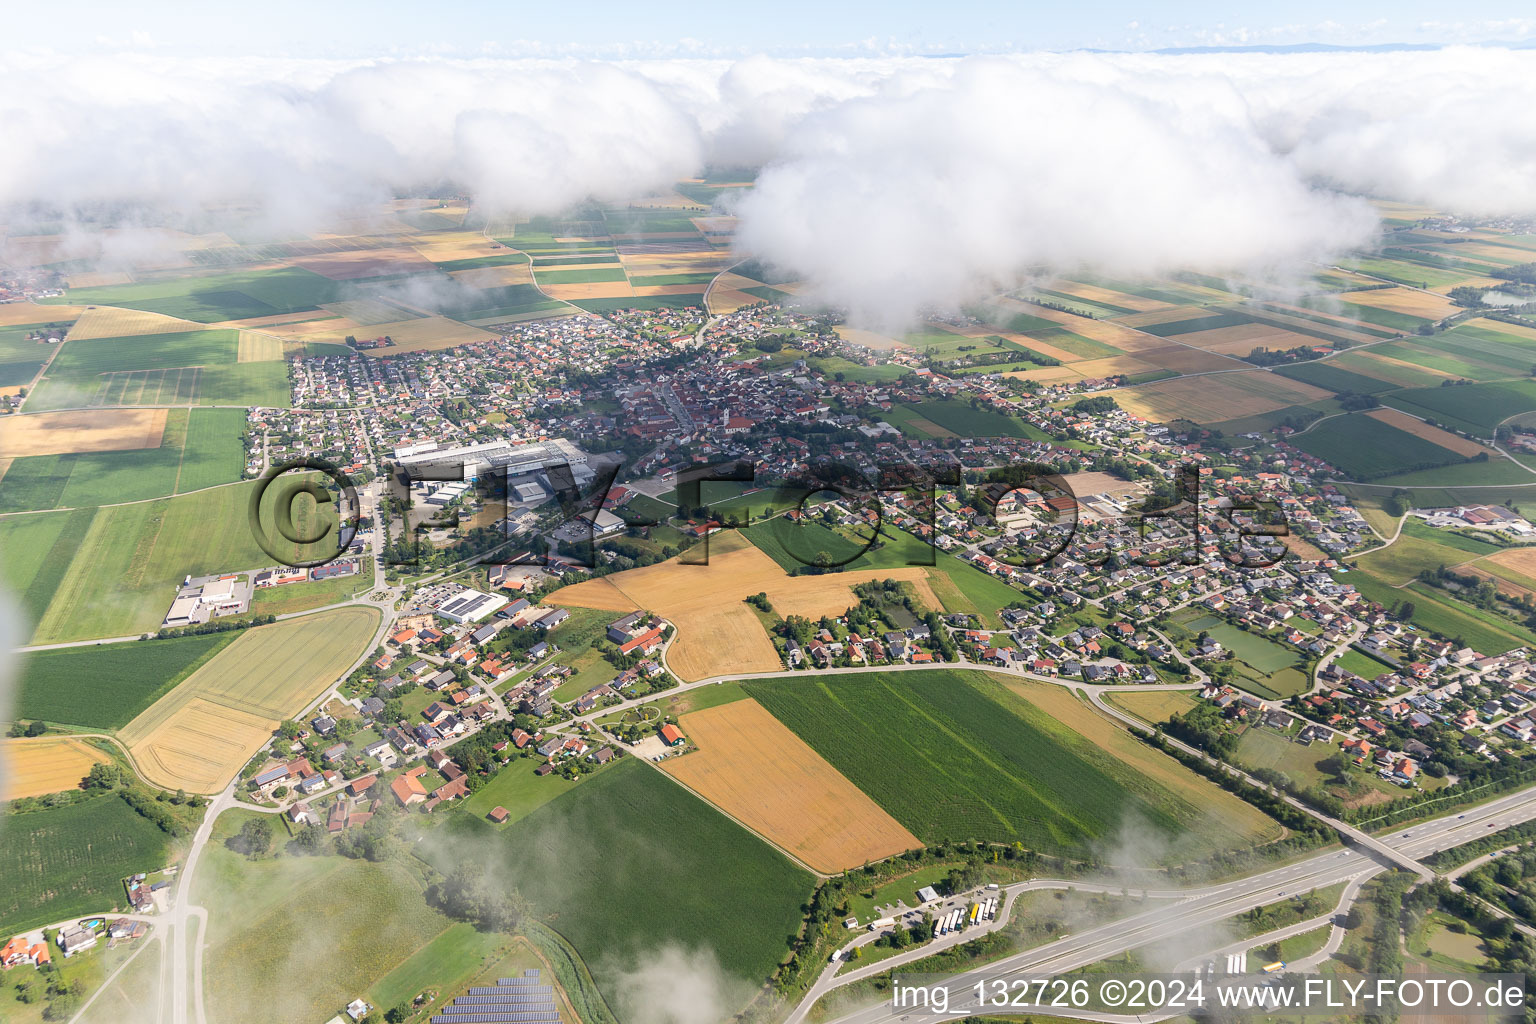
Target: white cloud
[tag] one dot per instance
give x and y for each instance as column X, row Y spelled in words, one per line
column 892, row 182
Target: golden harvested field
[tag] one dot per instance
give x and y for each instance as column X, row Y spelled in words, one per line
column 97, row 279
column 1113, row 333
column 446, row 246
column 1041, row 346
column 1303, row 548
column 754, row 769
column 1521, row 562
column 274, row 320
column 1244, row 338
column 111, row 322
column 1153, row 706
column 717, row 634
column 1046, row 374
column 588, row 290
column 259, row 347
column 198, row 736
column 1112, row 366
column 1228, row 814
column 1216, row 397
column 1306, row 319
column 13, row 314
column 728, row 300
column 494, row 277
column 1093, row 293
column 668, row 289
column 859, row 336
column 1505, row 586
column 427, row 333
column 1087, row 484
column 1390, row 369
column 646, row 264
column 1434, row 435
column 95, row 430
column 1405, row 300
column 45, row 764
column 323, row 329
column 1183, row 359
column 1167, row 315
column 358, row 263
column 1492, row 325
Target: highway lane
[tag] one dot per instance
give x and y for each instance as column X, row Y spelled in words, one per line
column 1206, row 907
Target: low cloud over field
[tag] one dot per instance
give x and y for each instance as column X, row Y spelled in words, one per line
column 889, row 184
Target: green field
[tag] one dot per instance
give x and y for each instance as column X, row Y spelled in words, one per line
column 80, row 480
column 1266, row 748
column 1416, row 275
column 1438, row 612
column 1364, row 448
column 104, row 686
column 38, row 550
column 1366, row 314
column 71, row 860
column 1258, row 651
column 640, row 302
column 20, row 358
column 1401, row 561
column 477, row 262
column 1475, row 408
column 629, row 862
column 328, row 926
column 199, row 448
column 217, row 297
column 833, row 365
column 962, row 587
column 1490, row 473
column 961, row 419
column 118, row 573
column 954, row 755
column 581, row 276
column 447, row 962
column 301, row 597
column 214, row 453
column 484, row 303
column 1361, row 664
column 703, row 277
column 1448, row 355
column 181, row 368
column 517, row 789
column 1331, row 377
column 1077, row 344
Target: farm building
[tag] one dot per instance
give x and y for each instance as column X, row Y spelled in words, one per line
column 671, row 735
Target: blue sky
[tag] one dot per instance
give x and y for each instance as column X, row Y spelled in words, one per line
column 638, row 28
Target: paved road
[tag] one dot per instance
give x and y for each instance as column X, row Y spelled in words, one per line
column 1204, row 908
column 1344, row 829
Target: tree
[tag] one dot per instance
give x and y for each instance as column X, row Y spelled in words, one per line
column 254, row 838
column 104, row 775
column 398, row 1014
column 36, row 728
